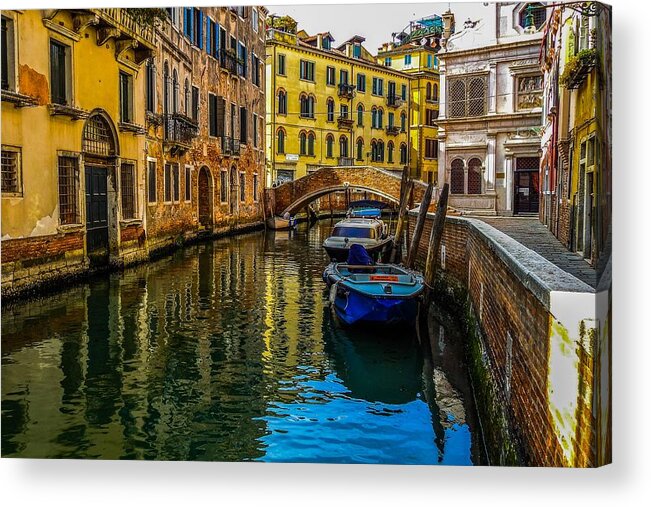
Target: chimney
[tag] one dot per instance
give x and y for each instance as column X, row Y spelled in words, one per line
column 319, row 41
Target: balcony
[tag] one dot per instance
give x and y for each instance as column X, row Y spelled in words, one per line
column 393, row 130
column 179, row 133
column 345, row 122
column 230, row 146
column 346, row 91
column 578, row 67
column 228, row 61
column 346, row 161
column 18, row 99
column 394, row 101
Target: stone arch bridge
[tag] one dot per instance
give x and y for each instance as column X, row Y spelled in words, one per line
column 295, row 195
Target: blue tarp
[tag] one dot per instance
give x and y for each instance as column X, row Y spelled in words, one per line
column 358, row 256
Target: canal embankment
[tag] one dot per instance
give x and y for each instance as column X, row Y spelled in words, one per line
column 537, row 341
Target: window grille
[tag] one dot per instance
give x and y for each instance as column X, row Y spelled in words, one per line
column 474, row 176
column 457, row 177
column 98, row 137
column 11, row 172
column 467, row 97
column 527, row 164
column 127, row 189
column 68, row 190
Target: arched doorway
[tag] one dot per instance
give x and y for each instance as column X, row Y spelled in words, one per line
column 233, row 190
column 100, row 148
column 205, row 197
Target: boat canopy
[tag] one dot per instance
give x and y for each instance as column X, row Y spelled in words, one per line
column 368, row 203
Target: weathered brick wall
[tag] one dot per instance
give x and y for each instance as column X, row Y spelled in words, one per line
column 515, row 331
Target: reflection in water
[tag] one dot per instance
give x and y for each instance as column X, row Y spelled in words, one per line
column 225, row 351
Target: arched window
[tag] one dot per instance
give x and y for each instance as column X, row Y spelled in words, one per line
column 403, row 153
column 282, row 102
column 403, row 122
column 98, row 137
column 151, row 85
column 307, row 106
column 343, row 147
column 456, row 177
column 186, row 97
column 380, row 114
column 380, row 151
column 175, row 92
column 280, row 144
column 360, row 149
column 330, row 141
column 166, row 88
column 310, row 144
column 360, row 115
column 474, row 176
column 374, row 117
column 373, row 151
column 435, row 92
column 302, row 142
column 390, row 152
column 428, row 91
column 331, row 109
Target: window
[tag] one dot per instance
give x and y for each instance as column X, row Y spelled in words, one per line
column 244, row 131
column 223, row 186
column 357, row 50
column 176, row 182
column 310, row 144
column 188, row 183
column 428, row 91
column 403, row 153
column 343, row 147
column 360, row 115
column 330, row 76
column 255, row 19
column 326, row 43
column 390, row 152
column 212, row 38
column 150, row 78
column 403, row 92
column 343, row 111
column 467, row 97
column 282, row 102
column 307, row 70
column 387, row 61
column 457, row 185
column 255, row 187
column 255, row 130
column 403, row 122
column 390, row 119
column 68, row 190
column 361, row 83
column 175, row 91
column 197, row 29
column 373, row 117
column 378, row 85
column 60, row 73
column 126, row 97
column 307, row 106
column 407, row 59
column 584, row 38
column 474, row 176
column 430, row 117
column 186, row 98
column 212, row 115
column 255, row 70
column 330, row 141
column 429, row 61
column 128, row 189
column 11, row 171
column 360, row 149
column 343, row 77
column 302, row 142
column 242, row 59
column 281, row 65
column 151, row 181
column 529, row 92
column 331, row 110
column 168, row 183
column 539, row 15
column 8, row 52
column 435, row 92
column 195, row 104
column 431, row 148
column 280, row 144
column 242, row 187
column 380, row 114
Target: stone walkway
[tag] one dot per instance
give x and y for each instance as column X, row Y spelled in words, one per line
column 535, row 236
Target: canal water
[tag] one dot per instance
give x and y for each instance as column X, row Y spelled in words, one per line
column 228, row 351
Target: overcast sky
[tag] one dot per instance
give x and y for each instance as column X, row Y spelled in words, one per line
column 374, row 21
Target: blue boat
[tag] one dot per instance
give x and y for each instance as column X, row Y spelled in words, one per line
column 373, row 293
column 366, row 208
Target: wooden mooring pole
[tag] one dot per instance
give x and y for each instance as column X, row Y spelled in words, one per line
column 435, row 242
column 402, row 215
column 420, row 223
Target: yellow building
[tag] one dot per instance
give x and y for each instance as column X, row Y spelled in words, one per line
column 73, row 141
column 329, row 106
column 415, row 53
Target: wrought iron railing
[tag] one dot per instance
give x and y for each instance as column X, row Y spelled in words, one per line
column 346, row 90
column 228, row 61
column 345, row 121
column 230, row 145
column 346, row 161
column 180, row 129
column 121, row 19
column 394, row 101
column 393, row 130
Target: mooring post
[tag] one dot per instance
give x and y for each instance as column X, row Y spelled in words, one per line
column 435, row 242
column 402, row 215
column 420, row 223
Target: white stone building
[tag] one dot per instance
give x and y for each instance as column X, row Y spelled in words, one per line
column 490, row 115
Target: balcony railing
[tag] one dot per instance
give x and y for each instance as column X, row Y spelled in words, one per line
column 346, row 161
column 228, row 61
column 346, row 91
column 345, row 121
column 230, row 145
column 393, row 130
column 179, row 131
column 394, row 101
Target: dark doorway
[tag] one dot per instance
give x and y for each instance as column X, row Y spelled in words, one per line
column 205, row 195
column 97, row 238
column 233, row 190
column 526, row 185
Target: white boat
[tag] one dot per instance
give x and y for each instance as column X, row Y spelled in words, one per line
column 371, row 233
